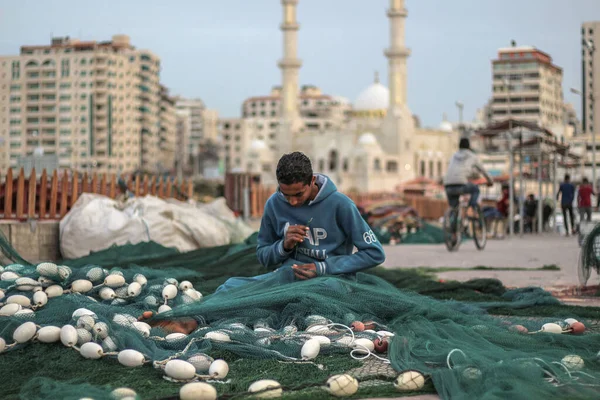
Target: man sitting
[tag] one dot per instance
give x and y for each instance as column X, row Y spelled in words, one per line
column 308, row 230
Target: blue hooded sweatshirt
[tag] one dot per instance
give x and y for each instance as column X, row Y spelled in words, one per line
column 335, row 228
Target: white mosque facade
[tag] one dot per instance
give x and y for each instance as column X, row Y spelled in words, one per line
column 370, row 145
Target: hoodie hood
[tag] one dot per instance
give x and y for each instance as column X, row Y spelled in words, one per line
column 463, row 154
column 326, row 189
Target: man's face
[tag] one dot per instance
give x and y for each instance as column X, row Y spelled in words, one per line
column 297, row 194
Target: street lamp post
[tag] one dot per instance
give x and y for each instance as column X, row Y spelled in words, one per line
column 511, row 178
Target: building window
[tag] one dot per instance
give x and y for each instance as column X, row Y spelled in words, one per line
column 392, row 166
column 377, row 164
column 333, row 160
column 64, row 68
column 422, row 168
column 16, row 70
column 439, row 169
column 321, row 165
column 431, row 169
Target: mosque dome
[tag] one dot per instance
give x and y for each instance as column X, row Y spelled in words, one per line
column 258, row 145
column 375, row 100
column 446, row 125
column 259, row 150
column 367, row 139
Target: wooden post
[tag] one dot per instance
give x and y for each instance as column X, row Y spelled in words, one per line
column 137, row 186
column 145, row 186
column 94, row 183
column 175, row 191
column 112, row 192
column 32, row 194
column 64, row 194
column 43, row 194
column 254, row 199
column 85, row 187
column 103, row 185
column 8, row 194
column 20, row 193
column 161, row 188
column 153, row 186
column 75, row 188
column 53, row 194
column 169, row 188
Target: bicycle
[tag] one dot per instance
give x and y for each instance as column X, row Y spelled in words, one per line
column 457, row 223
column 589, row 254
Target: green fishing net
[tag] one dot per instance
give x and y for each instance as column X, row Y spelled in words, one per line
column 466, row 340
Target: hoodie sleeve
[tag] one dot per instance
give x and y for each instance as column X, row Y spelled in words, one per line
column 270, row 251
column 369, row 254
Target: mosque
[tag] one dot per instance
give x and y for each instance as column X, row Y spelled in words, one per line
column 372, row 144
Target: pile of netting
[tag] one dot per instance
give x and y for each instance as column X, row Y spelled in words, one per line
column 76, row 329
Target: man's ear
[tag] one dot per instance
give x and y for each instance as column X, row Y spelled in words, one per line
column 313, row 180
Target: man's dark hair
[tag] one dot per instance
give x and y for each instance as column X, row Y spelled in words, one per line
column 567, row 177
column 585, row 180
column 294, row 168
column 464, row 144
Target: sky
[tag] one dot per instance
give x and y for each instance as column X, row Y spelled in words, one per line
column 227, row 50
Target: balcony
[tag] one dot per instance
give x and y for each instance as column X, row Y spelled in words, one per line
column 101, row 88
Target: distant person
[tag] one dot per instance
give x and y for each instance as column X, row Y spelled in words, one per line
column 566, row 192
column 456, row 182
column 496, row 216
column 584, row 200
column 530, row 206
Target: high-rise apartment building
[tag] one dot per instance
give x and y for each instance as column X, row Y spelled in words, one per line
column 527, row 86
column 168, row 131
column 197, row 135
column 590, row 76
column 93, row 104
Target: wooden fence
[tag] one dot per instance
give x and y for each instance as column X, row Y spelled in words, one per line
column 51, row 197
column 241, row 186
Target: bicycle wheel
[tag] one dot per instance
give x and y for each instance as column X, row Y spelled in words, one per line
column 583, row 271
column 451, row 229
column 479, row 230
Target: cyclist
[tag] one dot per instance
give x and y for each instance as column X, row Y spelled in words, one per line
column 456, row 182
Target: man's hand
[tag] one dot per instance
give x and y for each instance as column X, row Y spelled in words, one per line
column 294, row 235
column 306, row 271
column 490, row 183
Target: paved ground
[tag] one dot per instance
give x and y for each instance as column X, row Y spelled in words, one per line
column 530, row 251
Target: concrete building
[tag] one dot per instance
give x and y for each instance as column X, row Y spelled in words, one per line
column 368, row 146
column 527, row 86
column 167, row 144
column 197, row 138
column 96, row 105
column 590, row 78
column 590, row 93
